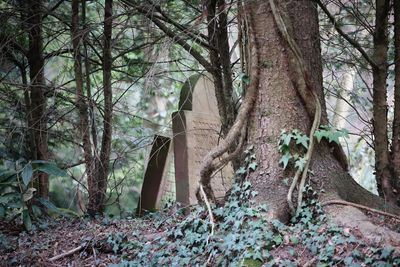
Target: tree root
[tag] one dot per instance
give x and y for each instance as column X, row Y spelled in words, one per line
column 343, row 202
column 376, row 235
column 208, row 166
column 317, row 115
column 209, row 212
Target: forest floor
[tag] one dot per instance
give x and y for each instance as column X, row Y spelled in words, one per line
column 101, row 242
column 97, row 242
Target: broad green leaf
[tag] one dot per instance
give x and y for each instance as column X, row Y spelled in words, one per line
column 37, row 212
column 50, row 206
column 49, row 168
column 6, row 175
column 26, row 219
column 285, row 160
column 10, row 197
column 27, row 173
column 39, row 161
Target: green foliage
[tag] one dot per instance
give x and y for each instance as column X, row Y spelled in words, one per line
column 242, row 234
column 244, row 78
column 17, row 196
column 330, row 134
column 293, row 145
column 244, row 237
column 299, row 141
column 119, row 243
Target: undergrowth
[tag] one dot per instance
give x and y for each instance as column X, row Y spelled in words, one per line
column 244, row 237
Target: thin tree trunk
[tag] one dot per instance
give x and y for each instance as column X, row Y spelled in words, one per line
column 88, row 81
column 396, row 120
column 96, row 202
column 27, row 99
column 379, row 72
column 37, row 88
column 224, row 54
column 84, row 126
column 215, row 59
column 341, row 110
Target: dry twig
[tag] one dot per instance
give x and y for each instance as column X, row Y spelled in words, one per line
column 68, row 253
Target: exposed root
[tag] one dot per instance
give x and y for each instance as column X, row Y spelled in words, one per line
column 373, row 234
column 209, row 212
column 208, row 166
column 343, row 202
column 317, row 116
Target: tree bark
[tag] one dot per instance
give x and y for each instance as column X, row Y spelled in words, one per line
column 279, row 94
column 37, row 89
column 379, row 72
column 221, row 71
column 81, row 103
column 96, row 201
column 395, row 156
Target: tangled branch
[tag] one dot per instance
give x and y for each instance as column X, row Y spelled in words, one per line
column 209, row 165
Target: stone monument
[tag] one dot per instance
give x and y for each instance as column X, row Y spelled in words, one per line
column 158, row 185
column 196, row 130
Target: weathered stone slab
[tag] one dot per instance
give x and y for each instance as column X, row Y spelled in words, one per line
column 157, row 185
column 198, row 95
column 195, row 134
column 196, row 127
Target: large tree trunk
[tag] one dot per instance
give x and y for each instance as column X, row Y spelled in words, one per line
column 279, row 106
column 97, row 199
column 37, row 89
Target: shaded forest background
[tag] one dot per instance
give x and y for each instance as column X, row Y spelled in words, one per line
column 85, row 86
column 148, row 67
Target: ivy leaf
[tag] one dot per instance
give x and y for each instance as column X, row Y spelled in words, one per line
column 285, row 160
column 303, row 140
column 345, row 133
column 319, row 135
column 386, row 252
column 284, row 149
column 334, row 136
column 300, row 163
column 241, row 171
column 286, row 139
column 253, row 166
column 245, row 78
